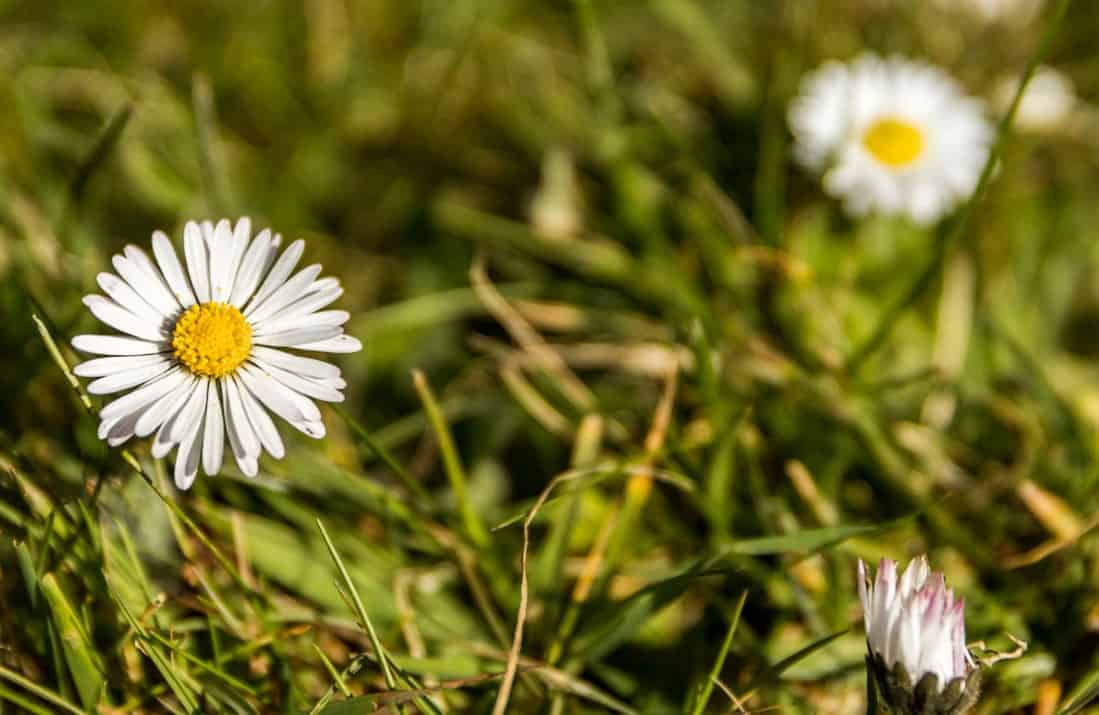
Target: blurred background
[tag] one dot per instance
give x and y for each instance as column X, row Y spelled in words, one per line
column 580, row 221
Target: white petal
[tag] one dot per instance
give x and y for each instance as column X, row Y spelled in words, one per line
column 122, row 429
column 172, row 270
column 121, row 319
column 261, row 422
column 105, row 427
column 165, row 408
column 146, row 285
column 290, row 291
column 213, row 438
column 280, row 323
column 177, row 424
column 299, row 364
column 311, row 301
column 163, row 294
column 128, row 298
column 313, row 388
column 882, row 607
column 338, row 344
column 187, row 458
column 110, row 365
column 144, row 395
column 198, row 268
column 124, row 380
column 242, row 439
column 116, row 345
column 237, row 418
column 915, row 575
column 304, row 306
column 190, row 417
column 864, row 597
column 221, row 260
column 251, row 268
column 315, row 429
column 248, row 465
column 281, row 270
column 298, row 336
column 162, row 443
column 242, row 233
column 277, row 397
column 312, row 427
column 324, row 285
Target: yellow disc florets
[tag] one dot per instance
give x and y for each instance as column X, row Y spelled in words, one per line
column 212, row 339
column 894, row 142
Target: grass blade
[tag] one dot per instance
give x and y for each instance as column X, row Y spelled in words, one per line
column 474, row 528
column 80, row 654
column 708, row 686
column 360, row 609
column 1085, row 692
column 43, row 693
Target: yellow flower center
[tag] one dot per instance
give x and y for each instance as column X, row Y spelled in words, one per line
column 894, row 142
column 212, row 339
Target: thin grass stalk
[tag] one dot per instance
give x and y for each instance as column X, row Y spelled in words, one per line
column 474, row 528
column 719, row 662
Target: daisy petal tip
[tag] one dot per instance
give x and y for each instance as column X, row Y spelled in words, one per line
column 160, row 450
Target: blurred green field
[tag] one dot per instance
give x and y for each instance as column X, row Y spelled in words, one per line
column 580, row 221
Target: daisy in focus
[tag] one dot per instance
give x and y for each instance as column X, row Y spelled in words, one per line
column 915, row 631
column 204, row 349
column 891, row 136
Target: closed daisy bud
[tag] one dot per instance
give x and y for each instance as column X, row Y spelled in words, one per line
column 915, row 632
column 210, row 346
column 891, row 136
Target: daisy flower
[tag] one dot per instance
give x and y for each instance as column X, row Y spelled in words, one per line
column 890, row 136
column 204, row 352
column 1016, row 11
column 915, row 632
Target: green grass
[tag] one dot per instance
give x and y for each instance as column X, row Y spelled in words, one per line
column 579, row 257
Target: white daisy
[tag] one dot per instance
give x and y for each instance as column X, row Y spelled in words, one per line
column 891, row 136
column 203, row 350
column 1016, row 11
column 915, row 621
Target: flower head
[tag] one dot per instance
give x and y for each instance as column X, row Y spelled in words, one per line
column 891, row 136
column 204, row 346
column 915, row 631
column 1018, row 12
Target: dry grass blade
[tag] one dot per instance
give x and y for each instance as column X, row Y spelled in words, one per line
column 528, row 338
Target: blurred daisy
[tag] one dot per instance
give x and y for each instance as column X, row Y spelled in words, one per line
column 891, row 136
column 204, row 350
column 915, row 631
column 1016, row 11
